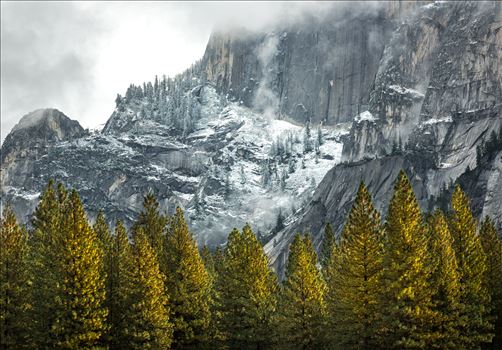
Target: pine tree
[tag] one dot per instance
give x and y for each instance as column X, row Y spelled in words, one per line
column 153, row 223
column 188, row 285
column 149, row 326
column 492, row 246
column 80, row 323
column 120, row 289
column 355, row 290
column 246, row 292
column 45, row 265
column 105, row 241
column 14, row 283
column 208, row 259
column 302, row 305
column 328, row 242
column 472, row 266
column 406, row 302
column 445, row 283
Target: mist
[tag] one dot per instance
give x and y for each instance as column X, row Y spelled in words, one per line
column 76, row 56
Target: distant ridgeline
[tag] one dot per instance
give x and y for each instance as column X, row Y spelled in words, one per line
column 415, row 280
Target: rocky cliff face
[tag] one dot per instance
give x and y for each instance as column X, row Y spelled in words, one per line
column 435, row 102
column 320, row 70
column 400, row 85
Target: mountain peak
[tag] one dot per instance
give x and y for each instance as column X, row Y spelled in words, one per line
column 40, row 127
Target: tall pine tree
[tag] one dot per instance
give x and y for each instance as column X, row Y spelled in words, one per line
column 405, row 304
column 188, row 285
column 354, row 289
column 445, row 283
column 472, row 265
column 120, row 290
column 149, row 326
column 154, row 225
column 328, row 242
column 81, row 321
column 45, row 265
column 492, row 246
column 14, row 283
column 302, row 306
column 246, row 291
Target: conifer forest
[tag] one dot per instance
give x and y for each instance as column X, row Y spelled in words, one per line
column 409, row 280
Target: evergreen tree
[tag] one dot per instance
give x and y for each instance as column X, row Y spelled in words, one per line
column 328, row 243
column 120, row 289
column 246, row 292
column 149, row 326
column 405, row 303
column 105, row 240
column 188, row 285
column 45, row 265
column 302, row 305
column 14, row 283
column 472, row 266
column 80, row 322
column 360, row 266
column 445, row 283
column 492, row 246
column 153, row 223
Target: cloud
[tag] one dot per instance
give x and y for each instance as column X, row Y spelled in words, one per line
column 76, row 56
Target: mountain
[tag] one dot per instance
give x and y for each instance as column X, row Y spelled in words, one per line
column 278, row 127
column 434, row 106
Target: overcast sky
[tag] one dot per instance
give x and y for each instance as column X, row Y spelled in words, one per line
column 76, row 56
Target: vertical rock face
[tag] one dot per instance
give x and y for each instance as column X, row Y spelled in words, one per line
column 435, row 102
column 444, row 63
column 319, row 71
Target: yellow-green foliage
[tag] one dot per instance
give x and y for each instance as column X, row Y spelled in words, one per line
column 149, row 326
column 472, row 266
column 405, row 303
column 492, row 246
column 302, row 305
column 188, row 285
column 14, row 283
column 445, row 283
column 154, row 225
column 67, row 270
column 80, row 320
column 247, row 292
column 328, row 242
column 355, row 274
column 120, row 289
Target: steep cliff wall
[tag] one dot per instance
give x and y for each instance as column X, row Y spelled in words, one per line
column 318, row 71
column 436, row 101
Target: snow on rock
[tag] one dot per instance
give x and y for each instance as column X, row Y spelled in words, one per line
column 406, row 91
column 365, row 116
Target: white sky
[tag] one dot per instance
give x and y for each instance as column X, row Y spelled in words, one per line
column 76, row 56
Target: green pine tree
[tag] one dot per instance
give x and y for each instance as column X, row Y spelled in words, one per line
column 445, row 283
column 45, row 266
column 154, row 225
column 81, row 321
column 354, row 287
column 328, row 242
column 120, row 290
column 105, row 242
column 188, row 285
column 492, row 246
column 14, row 283
column 302, row 304
column 149, row 326
column 246, row 291
column 405, row 304
column 472, row 264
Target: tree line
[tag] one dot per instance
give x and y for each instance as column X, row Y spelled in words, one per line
column 413, row 281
